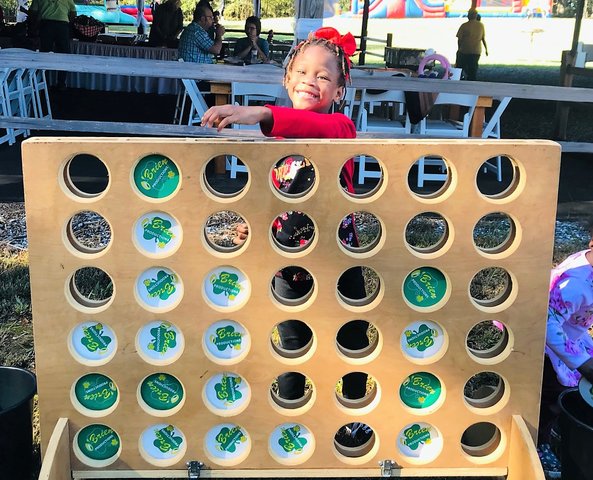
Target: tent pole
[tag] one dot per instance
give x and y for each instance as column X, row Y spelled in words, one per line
column 363, row 31
column 577, row 26
column 568, row 60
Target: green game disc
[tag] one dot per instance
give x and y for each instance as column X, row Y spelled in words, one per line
column 98, row 442
column 95, row 391
column 161, row 391
column 156, row 176
column 420, row 390
column 425, row 287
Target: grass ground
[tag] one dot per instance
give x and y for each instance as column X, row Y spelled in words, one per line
column 533, row 118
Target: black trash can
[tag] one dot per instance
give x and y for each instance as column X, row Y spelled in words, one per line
column 17, row 387
column 576, row 428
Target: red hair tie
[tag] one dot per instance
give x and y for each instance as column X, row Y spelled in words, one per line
column 346, row 42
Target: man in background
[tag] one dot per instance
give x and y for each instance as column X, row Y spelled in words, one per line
column 470, row 37
column 53, row 18
column 195, row 45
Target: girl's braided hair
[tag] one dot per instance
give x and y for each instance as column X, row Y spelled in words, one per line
column 342, row 59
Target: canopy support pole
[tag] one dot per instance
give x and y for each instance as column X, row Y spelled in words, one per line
column 363, row 32
column 568, row 62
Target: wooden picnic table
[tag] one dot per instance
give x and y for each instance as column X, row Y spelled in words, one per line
column 229, row 73
column 225, row 74
column 222, row 94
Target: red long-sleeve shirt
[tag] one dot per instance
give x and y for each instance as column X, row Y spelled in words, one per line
column 291, row 123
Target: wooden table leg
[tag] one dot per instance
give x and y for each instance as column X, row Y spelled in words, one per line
column 222, row 93
column 477, row 125
column 563, row 109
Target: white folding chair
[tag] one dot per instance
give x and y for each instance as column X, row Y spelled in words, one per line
column 41, row 92
column 182, row 99
column 390, row 120
column 247, row 94
column 30, row 82
column 492, row 130
column 18, row 94
column 391, row 101
column 442, row 127
column 371, row 102
column 447, row 128
column 348, row 103
column 9, row 135
column 198, row 105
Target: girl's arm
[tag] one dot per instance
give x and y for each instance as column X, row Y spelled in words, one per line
column 282, row 121
column 290, row 123
column 227, row 114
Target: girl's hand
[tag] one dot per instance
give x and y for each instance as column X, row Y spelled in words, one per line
column 227, row 114
column 241, row 233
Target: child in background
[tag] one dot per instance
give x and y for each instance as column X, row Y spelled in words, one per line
column 315, row 79
column 569, row 346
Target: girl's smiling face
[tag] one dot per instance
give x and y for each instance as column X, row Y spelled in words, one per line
column 313, row 82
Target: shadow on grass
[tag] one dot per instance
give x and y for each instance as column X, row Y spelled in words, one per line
column 535, row 118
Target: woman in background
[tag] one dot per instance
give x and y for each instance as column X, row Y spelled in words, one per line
column 245, row 45
column 167, row 24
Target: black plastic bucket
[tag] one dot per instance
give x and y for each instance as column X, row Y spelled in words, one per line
column 576, row 427
column 17, row 387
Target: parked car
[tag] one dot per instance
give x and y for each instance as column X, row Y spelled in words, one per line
column 109, row 11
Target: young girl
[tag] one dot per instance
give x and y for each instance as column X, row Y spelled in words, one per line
column 569, row 346
column 315, row 78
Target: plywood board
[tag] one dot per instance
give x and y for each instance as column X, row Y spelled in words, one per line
column 530, row 203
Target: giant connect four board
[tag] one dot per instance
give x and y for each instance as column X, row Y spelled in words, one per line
column 178, row 362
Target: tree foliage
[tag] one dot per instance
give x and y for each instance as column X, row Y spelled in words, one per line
column 568, row 8
column 241, row 9
column 9, row 7
column 277, row 8
column 187, row 7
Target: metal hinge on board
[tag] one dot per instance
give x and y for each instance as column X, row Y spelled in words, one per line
column 193, row 469
column 387, row 467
